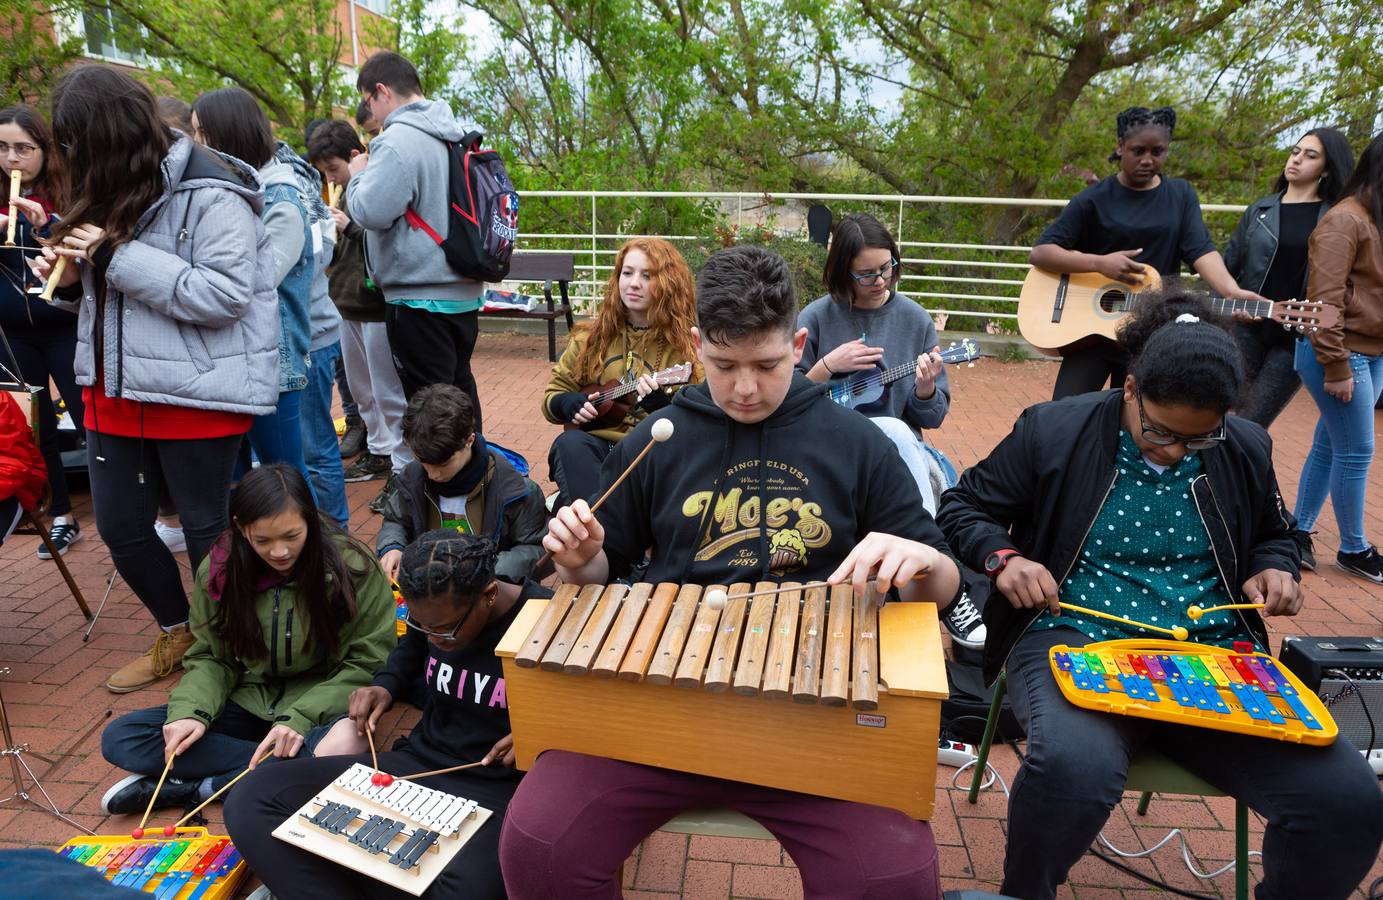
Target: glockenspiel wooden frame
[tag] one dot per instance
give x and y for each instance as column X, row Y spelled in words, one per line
column 877, row 744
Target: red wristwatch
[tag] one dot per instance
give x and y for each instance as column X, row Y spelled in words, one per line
column 994, row 563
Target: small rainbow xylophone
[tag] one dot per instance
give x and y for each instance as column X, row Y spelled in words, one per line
column 407, row 832
column 191, row 865
column 1193, row 684
column 798, row 687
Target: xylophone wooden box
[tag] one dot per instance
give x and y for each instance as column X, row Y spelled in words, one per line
column 191, row 865
column 811, row 690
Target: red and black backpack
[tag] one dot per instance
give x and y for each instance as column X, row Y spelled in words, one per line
column 482, row 212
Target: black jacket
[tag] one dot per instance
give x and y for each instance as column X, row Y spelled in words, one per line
column 825, row 474
column 1041, row 489
column 1249, row 253
column 505, row 507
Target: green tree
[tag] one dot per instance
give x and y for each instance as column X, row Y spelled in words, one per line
column 283, row 52
column 31, row 56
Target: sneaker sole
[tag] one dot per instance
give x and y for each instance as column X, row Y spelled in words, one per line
column 115, row 789
column 1376, row 579
column 43, row 548
column 1307, row 566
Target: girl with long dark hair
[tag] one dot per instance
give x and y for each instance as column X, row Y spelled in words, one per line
column 1342, row 366
column 1267, row 254
column 42, row 338
column 643, row 326
column 1133, row 219
column 176, row 331
column 290, row 616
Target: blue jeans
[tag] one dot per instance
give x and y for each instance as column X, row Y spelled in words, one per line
column 1342, row 449
column 1322, row 805
column 321, row 451
column 134, row 742
column 277, row 437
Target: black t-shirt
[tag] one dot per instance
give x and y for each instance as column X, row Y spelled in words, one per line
column 1106, row 217
column 465, row 710
column 1296, row 221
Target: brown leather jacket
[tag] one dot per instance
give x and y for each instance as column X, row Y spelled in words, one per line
column 1346, row 261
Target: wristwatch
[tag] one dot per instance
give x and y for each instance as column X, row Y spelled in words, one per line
column 994, row 563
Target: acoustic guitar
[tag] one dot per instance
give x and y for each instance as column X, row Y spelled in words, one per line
column 1058, row 311
column 862, row 388
column 615, row 398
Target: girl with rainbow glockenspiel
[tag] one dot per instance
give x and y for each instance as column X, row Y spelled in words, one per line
column 1140, row 512
column 289, row 617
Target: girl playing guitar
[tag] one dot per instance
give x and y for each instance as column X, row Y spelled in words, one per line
column 643, row 326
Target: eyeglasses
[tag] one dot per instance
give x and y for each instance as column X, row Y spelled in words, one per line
column 869, row 279
column 450, row 635
column 23, row 151
column 1166, row 438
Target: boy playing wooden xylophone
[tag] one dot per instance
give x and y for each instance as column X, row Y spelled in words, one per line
column 770, row 480
column 1143, row 501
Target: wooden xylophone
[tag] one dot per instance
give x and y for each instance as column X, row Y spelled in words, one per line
column 407, row 834
column 868, row 682
column 192, row 865
column 1193, row 684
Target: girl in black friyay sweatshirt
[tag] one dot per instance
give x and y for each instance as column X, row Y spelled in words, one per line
column 458, row 612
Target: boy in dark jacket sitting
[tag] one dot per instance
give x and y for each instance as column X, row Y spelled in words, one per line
column 1144, row 501
column 459, row 483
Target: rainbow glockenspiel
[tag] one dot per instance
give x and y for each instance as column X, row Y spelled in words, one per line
column 1193, row 684
column 190, row 865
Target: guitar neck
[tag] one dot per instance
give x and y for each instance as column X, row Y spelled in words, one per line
column 1222, row 305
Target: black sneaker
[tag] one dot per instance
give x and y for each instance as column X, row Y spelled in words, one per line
column 1307, row 550
column 963, row 621
column 63, row 535
column 353, row 441
column 1366, row 563
column 130, row 795
column 367, row 468
column 377, row 504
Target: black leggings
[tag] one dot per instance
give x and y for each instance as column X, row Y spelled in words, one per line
column 126, row 477
column 1086, row 369
column 44, row 353
column 266, row 799
column 574, row 462
column 434, row 348
column 1270, row 378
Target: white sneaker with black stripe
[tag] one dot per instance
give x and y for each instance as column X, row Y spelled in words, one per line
column 65, row 533
column 963, row 621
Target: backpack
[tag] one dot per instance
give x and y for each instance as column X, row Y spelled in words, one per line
column 482, row 212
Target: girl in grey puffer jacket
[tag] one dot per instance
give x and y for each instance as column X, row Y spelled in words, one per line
column 177, row 331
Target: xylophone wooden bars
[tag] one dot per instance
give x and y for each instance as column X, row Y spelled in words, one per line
column 671, row 682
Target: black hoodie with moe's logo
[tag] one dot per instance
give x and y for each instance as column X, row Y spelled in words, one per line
column 824, row 475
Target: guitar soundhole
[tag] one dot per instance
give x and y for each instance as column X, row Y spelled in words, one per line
column 1112, row 301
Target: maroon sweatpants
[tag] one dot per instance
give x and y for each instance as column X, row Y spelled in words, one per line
column 575, row 819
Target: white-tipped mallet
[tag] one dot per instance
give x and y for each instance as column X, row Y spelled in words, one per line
column 715, row 598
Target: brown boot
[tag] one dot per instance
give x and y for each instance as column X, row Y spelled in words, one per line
column 164, row 658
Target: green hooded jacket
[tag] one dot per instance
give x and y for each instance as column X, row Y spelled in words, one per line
column 293, row 684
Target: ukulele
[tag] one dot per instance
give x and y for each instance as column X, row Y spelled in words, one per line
column 1057, row 311
column 861, row 388
column 615, row 398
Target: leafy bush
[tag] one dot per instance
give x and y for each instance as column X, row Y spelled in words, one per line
column 805, row 259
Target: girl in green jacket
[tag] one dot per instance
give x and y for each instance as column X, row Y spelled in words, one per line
column 290, row 616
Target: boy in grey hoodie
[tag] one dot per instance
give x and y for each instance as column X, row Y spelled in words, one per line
column 433, row 313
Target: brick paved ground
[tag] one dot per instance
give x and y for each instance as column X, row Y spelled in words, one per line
column 57, row 703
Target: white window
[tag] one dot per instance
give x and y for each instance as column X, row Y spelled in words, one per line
column 103, row 29
column 375, row 6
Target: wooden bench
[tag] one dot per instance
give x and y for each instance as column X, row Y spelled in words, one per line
column 546, row 268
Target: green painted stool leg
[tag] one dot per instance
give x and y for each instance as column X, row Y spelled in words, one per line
column 1143, row 802
column 991, row 725
column 1241, row 851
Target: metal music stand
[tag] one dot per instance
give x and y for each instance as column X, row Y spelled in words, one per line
column 20, row 769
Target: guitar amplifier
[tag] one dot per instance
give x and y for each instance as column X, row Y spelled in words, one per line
column 1322, row 664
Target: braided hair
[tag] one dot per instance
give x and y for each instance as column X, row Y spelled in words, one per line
column 444, row 561
column 1189, row 362
column 1137, row 117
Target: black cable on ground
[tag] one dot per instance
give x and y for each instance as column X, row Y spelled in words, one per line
column 1129, row 870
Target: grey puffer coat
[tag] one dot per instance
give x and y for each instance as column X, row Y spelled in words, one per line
column 191, row 312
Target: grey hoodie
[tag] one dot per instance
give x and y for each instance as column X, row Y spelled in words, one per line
column 190, row 316
column 408, row 168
